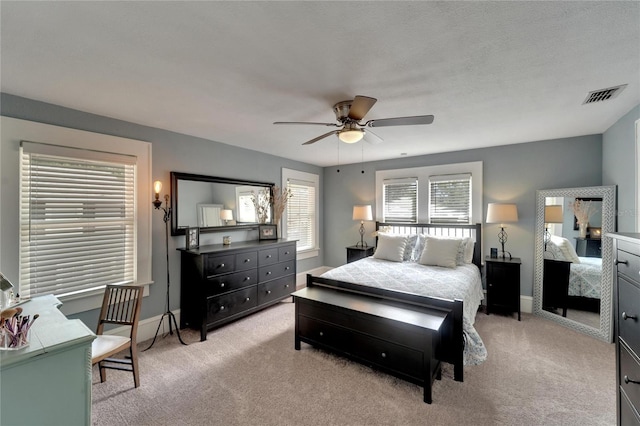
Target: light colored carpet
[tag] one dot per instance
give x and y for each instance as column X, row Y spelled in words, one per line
column 247, row 373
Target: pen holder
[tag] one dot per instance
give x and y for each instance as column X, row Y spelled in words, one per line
column 12, row 341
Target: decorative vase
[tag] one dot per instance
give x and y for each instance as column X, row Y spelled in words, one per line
column 582, row 227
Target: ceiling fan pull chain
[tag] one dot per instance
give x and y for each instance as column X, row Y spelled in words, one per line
column 362, row 160
column 338, row 155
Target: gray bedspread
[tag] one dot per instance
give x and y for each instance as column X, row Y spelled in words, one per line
column 463, row 282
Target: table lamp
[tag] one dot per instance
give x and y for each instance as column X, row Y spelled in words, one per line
column 362, row 213
column 502, row 213
column 552, row 214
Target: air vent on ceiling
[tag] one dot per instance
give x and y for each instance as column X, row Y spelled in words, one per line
column 603, row 94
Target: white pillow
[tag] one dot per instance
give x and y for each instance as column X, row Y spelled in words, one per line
column 568, row 252
column 468, row 249
column 440, row 252
column 552, row 251
column 390, row 247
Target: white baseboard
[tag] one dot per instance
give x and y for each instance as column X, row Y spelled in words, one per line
column 526, row 304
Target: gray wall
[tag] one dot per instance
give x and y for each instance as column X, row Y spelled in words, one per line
column 619, row 167
column 511, row 173
column 171, row 152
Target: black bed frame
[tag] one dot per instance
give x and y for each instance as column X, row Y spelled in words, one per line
column 452, row 343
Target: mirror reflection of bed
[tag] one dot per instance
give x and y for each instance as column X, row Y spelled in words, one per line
column 572, row 284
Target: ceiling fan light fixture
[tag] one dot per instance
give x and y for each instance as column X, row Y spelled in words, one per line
column 351, row 135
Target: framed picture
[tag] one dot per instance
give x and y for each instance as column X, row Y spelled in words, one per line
column 193, row 238
column 268, row 232
column 595, row 232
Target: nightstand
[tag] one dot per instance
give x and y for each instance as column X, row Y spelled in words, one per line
column 356, row 253
column 503, row 284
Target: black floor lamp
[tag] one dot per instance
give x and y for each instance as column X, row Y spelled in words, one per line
column 157, row 186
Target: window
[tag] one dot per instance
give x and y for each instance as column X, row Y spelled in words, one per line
column 400, row 200
column 450, row 199
column 443, row 194
column 78, row 220
column 300, row 219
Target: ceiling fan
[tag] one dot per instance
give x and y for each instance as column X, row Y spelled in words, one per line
column 349, row 115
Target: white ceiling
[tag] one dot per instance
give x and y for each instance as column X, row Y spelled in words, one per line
column 492, row 73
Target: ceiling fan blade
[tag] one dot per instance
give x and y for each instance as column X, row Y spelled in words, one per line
column 401, row 121
column 360, row 107
column 314, row 140
column 372, row 138
column 307, row 122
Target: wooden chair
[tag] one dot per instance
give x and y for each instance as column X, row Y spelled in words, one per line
column 120, row 306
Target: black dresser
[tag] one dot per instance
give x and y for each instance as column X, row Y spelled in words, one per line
column 627, row 326
column 221, row 283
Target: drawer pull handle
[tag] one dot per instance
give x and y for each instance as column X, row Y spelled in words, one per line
column 321, row 334
column 221, row 265
column 384, row 355
column 626, row 317
column 247, row 260
column 627, row 380
column 286, row 286
column 247, row 279
column 268, row 272
column 286, row 252
column 247, row 299
column 268, row 291
column 221, row 284
column 268, row 256
column 222, row 308
column 287, row 268
column 624, row 262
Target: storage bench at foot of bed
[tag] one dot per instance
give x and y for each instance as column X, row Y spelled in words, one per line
column 395, row 338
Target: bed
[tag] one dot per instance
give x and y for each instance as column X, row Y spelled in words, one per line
column 456, row 290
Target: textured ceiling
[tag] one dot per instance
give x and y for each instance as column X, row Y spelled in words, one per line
column 492, row 73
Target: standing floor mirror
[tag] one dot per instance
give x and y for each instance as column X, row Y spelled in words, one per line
column 573, row 274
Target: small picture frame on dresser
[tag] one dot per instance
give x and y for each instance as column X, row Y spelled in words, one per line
column 268, row 232
column 595, row 233
column 192, row 238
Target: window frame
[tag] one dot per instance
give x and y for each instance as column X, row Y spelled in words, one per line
column 15, row 130
column 288, row 174
column 423, row 174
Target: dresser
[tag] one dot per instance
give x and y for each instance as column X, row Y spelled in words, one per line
column 221, row 283
column 49, row 381
column 589, row 247
column 626, row 249
column 503, row 284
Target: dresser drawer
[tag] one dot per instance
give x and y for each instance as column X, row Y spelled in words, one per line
column 244, row 261
column 276, row 289
column 224, row 283
column 268, row 256
column 277, row 270
column 629, row 370
column 628, row 307
column 324, row 333
column 386, row 354
column 628, row 264
column 215, row 265
column 220, row 307
column 628, row 415
column 287, row 252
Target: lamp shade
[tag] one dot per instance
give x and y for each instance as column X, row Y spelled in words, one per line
column 362, row 213
column 553, row 214
column 226, row 214
column 502, row 213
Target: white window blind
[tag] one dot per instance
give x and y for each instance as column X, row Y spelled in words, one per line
column 77, row 220
column 450, row 198
column 400, row 200
column 301, row 214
